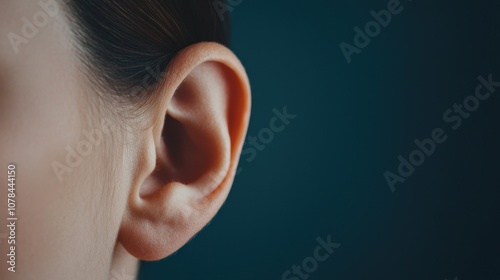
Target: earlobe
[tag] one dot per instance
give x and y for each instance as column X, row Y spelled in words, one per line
column 197, row 137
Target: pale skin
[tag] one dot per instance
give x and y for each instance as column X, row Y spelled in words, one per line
column 152, row 182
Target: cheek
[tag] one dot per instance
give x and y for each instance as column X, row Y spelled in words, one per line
column 41, row 113
column 42, row 117
column 61, row 177
column 40, row 120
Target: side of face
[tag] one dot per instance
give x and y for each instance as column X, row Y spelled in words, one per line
column 88, row 180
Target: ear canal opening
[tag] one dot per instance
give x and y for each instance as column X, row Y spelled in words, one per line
column 184, row 160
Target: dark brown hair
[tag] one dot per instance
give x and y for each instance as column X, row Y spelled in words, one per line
column 126, row 44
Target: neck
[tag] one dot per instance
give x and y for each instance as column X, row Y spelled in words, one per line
column 123, row 266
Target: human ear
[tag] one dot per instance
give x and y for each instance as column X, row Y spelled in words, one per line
column 186, row 161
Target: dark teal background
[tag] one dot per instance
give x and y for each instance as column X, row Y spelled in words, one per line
column 323, row 175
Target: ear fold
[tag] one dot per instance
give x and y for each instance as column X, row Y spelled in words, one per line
column 187, row 161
